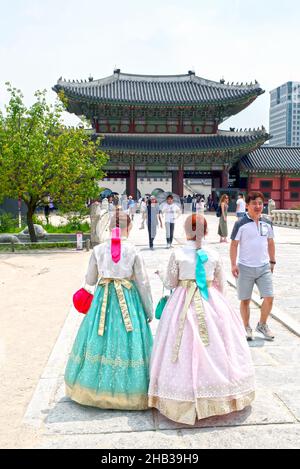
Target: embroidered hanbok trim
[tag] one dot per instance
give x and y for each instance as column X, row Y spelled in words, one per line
column 117, row 362
column 205, row 391
column 186, row 412
column 106, row 400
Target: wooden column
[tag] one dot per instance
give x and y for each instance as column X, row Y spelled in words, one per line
column 131, row 188
column 215, row 180
column 249, row 182
column 177, row 182
column 225, row 177
column 282, row 184
column 180, row 182
column 174, row 182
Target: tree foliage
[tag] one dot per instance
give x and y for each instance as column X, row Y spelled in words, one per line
column 40, row 157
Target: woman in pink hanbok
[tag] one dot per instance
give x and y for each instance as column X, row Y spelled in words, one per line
column 201, row 364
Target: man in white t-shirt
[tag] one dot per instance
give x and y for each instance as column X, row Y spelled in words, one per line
column 253, row 235
column 171, row 211
column 240, row 206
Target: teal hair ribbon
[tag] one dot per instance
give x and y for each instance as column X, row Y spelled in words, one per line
column 201, row 274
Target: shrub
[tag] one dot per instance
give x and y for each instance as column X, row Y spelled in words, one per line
column 9, row 224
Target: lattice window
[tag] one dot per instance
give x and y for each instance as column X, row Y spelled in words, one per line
column 266, row 184
column 294, row 184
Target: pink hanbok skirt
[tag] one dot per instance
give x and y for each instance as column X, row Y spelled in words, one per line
column 205, row 380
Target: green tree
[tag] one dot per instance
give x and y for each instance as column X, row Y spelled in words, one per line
column 40, row 157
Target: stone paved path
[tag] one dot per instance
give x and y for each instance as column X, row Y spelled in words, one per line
column 272, row 422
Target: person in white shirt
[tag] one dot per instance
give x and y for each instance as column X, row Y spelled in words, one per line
column 171, row 211
column 143, row 211
column 240, row 206
column 253, row 235
column 200, row 206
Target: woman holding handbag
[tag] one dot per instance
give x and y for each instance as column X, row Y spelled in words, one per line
column 201, row 364
column 109, row 363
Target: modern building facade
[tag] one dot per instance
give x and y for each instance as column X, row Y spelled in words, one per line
column 285, row 115
column 166, row 126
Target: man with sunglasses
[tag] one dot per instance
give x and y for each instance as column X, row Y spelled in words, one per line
column 253, row 236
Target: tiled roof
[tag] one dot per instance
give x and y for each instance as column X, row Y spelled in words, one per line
column 145, row 89
column 165, row 144
column 273, row 159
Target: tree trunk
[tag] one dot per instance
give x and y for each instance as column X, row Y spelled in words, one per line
column 31, row 231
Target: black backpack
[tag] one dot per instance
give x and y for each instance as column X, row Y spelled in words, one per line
column 218, row 211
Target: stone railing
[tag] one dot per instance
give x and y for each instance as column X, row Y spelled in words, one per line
column 286, row 218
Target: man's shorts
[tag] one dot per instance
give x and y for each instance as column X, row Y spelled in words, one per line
column 248, row 276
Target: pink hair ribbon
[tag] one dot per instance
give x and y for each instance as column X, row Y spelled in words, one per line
column 116, row 245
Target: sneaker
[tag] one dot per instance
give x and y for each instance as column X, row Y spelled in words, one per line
column 265, row 330
column 168, row 246
column 249, row 333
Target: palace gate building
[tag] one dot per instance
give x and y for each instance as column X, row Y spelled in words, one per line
column 166, row 125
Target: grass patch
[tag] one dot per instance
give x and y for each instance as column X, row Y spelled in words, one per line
column 68, row 228
column 37, row 246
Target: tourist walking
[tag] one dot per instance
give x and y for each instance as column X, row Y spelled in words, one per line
column 109, row 362
column 47, row 213
column 143, row 212
column 124, row 204
column 253, row 240
column 240, row 206
column 131, row 207
column 200, row 206
column 189, row 201
column 201, row 365
column 171, row 211
column 223, row 229
column 153, row 218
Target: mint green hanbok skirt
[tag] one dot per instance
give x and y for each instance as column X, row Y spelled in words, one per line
column 109, row 363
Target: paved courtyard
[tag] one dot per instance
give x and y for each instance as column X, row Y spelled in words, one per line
column 272, row 422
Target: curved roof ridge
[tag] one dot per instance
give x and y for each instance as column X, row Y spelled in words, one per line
column 189, row 77
column 236, row 133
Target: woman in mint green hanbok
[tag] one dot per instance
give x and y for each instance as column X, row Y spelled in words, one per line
column 109, row 363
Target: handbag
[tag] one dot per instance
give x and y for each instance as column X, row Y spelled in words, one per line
column 82, row 300
column 161, row 305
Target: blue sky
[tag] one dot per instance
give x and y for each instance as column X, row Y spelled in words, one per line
column 238, row 40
